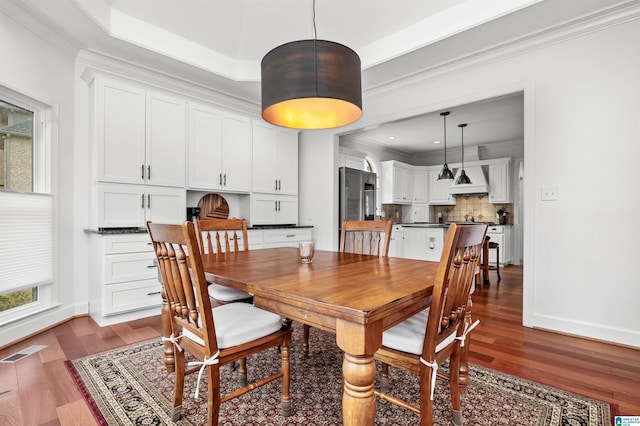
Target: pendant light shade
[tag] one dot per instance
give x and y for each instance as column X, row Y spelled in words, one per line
column 445, row 173
column 311, row 84
column 463, row 178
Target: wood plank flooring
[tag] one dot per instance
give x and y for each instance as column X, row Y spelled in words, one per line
column 38, row 390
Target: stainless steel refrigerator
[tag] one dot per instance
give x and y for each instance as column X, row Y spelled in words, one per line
column 357, row 195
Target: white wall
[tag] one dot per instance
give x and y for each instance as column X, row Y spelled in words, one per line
column 32, row 65
column 581, row 122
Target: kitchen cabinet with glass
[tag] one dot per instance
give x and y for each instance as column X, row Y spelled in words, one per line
column 219, row 150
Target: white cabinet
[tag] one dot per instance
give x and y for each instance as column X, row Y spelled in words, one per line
column 420, row 212
column 500, row 182
column 282, row 237
column 423, row 243
column 397, row 183
column 438, row 192
column 421, row 186
column 275, row 160
column 503, row 236
column 219, row 150
column 270, row 209
column 124, row 278
column 353, row 161
column 141, row 136
column 124, row 206
column 396, row 243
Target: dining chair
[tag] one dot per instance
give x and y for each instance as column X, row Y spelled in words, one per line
column 370, row 237
column 214, row 336
column 223, row 236
column 424, row 341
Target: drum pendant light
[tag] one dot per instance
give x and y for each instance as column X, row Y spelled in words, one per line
column 311, row 84
column 445, row 173
column 463, row 178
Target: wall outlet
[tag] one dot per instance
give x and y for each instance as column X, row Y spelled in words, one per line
column 550, row 193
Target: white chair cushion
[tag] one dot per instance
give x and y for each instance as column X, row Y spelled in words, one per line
column 238, row 323
column 408, row 336
column 226, row 294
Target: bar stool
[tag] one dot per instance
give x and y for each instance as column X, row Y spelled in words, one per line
column 494, row 246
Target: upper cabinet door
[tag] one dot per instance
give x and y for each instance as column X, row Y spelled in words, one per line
column 166, row 140
column 275, row 160
column 205, row 146
column 439, row 190
column 236, row 153
column 499, row 183
column 120, row 133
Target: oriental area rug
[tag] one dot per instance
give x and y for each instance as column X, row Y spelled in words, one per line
column 130, row 386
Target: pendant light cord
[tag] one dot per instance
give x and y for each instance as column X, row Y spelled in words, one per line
column 445, row 137
column 315, row 47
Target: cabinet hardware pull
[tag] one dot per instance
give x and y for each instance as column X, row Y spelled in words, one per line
column 220, row 179
column 225, row 179
column 142, row 205
column 291, row 235
column 278, row 205
column 276, row 188
column 153, row 293
column 142, row 172
column 152, row 266
column 148, row 201
column 148, row 172
column 279, row 184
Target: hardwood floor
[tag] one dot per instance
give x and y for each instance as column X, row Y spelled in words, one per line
column 38, row 390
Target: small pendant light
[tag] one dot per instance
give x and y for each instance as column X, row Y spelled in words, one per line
column 311, row 84
column 463, row 178
column 445, row 173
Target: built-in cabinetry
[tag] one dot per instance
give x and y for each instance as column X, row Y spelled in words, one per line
column 397, row 183
column 423, row 243
column 275, row 160
column 140, row 135
column 219, row 150
column 500, row 181
column 123, row 281
column 420, row 205
column 270, row 209
column 130, row 206
column 439, row 192
column 351, row 159
column 396, row 242
column 282, row 237
column 503, row 236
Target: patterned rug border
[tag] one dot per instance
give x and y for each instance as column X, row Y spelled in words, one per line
column 95, row 406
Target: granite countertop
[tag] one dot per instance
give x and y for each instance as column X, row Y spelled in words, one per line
column 444, row 225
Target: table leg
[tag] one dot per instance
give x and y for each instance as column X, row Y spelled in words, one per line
column 359, row 343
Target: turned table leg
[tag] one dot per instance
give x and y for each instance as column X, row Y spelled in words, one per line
column 359, row 343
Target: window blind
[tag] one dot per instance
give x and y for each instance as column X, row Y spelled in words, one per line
column 26, row 240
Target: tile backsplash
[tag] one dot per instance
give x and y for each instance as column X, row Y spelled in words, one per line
column 476, row 205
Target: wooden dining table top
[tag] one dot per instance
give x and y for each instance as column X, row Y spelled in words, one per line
column 353, row 287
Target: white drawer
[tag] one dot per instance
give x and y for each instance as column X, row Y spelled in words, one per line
column 495, row 230
column 286, row 235
column 127, row 243
column 256, row 236
column 125, row 297
column 119, row 268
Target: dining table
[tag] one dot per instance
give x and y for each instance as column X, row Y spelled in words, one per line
column 354, row 296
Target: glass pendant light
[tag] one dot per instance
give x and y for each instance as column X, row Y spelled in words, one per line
column 463, row 178
column 445, row 173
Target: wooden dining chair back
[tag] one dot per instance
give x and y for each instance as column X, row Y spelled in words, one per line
column 366, row 237
column 362, row 237
column 223, row 236
column 423, row 342
column 215, row 337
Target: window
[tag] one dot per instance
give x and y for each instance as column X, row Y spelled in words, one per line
column 26, row 209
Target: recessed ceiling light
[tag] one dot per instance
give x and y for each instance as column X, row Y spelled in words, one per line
column 392, row 137
column 436, row 141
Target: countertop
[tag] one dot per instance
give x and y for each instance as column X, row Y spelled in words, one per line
column 134, row 230
column 443, row 225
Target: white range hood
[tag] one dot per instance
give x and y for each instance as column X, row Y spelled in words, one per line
column 478, row 183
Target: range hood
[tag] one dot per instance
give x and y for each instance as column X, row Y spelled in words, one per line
column 478, row 183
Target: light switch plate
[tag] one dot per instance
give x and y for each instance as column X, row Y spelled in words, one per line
column 550, row 193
